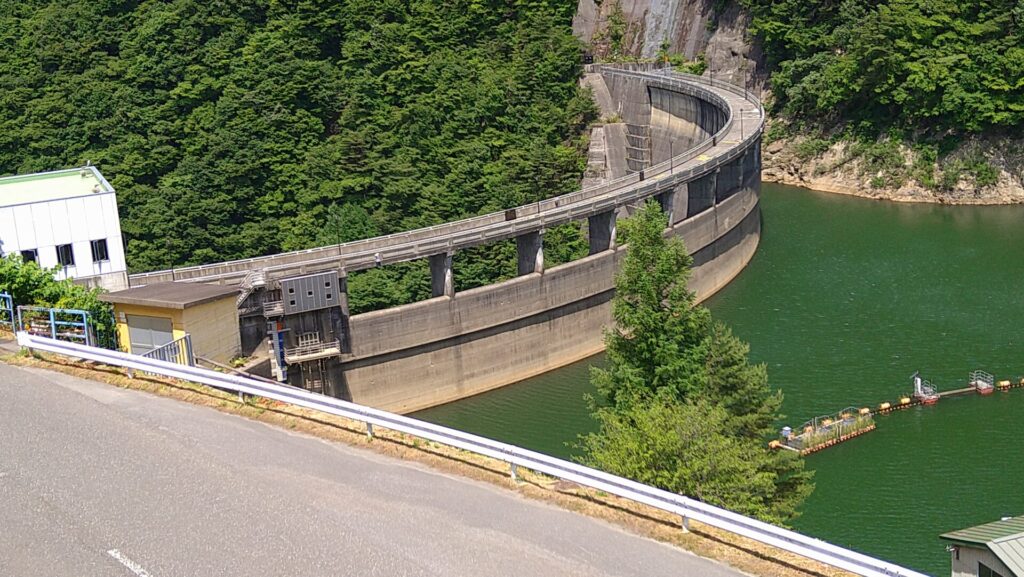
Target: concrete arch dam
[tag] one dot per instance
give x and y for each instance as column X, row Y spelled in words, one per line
column 690, row 143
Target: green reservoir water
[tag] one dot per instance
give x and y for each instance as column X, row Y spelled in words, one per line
column 845, row 298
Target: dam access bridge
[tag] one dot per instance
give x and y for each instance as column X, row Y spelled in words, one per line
column 691, row 143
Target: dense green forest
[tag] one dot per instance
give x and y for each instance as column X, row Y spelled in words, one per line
column 241, row 128
column 919, row 69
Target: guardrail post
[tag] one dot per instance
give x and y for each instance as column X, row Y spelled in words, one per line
column 685, row 524
column 369, row 429
column 514, row 470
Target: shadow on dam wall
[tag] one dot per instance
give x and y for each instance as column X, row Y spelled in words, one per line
column 446, row 348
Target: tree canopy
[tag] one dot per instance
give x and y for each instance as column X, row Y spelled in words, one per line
column 234, row 129
column 680, row 404
column 931, row 66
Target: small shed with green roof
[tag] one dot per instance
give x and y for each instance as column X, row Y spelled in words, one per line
column 991, row 550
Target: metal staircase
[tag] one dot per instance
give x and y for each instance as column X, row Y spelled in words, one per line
column 253, row 280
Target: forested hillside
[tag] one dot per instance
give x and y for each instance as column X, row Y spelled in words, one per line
column 933, row 66
column 917, row 99
column 239, row 128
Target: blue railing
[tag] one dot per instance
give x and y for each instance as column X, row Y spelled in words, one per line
column 6, row 312
column 59, row 324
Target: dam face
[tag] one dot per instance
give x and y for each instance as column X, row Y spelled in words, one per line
column 691, row 145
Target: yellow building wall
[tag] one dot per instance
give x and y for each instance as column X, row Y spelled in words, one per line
column 120, row 312
column 214, row 329
column 213, row 326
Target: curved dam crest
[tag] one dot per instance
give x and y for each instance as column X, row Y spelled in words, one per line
column 692, row 145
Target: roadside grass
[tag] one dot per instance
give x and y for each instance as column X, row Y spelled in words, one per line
column 743, row 554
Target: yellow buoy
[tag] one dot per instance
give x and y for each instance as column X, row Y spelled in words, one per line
column 884, row 406
column 905, row 401
column 1004, row 383
column 867, row 411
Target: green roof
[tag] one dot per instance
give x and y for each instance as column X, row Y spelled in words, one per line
column 55, row 185
column 1004, row 538
column 983, row 534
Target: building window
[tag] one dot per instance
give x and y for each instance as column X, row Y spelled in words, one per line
column 986, row 571
column 99, row 250
column 30, row 255
column 65, row 256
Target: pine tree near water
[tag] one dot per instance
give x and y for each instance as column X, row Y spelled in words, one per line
column 680, row 406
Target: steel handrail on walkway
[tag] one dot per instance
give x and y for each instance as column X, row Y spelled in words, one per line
column 685, row 507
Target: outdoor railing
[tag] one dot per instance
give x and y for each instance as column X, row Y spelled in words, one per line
column 685, row 507
column 6, row 312
column 177, row 351
column 312, row 350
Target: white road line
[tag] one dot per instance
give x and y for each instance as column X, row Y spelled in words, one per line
column 131, row 565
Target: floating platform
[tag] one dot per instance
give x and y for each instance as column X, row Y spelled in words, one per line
column 829, row 430
column 826, row 431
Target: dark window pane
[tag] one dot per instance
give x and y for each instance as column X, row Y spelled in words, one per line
column 99, row 250
column 29, row 255
column 65, row 256
column 986, row 571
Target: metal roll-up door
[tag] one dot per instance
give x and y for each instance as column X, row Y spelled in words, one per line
column 148, row 333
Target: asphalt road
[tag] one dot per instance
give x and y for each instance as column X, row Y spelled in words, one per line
column 99, row 481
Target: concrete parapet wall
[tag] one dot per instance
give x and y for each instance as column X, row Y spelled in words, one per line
column 679, row 121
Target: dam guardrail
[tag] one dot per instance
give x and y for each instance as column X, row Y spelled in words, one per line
column 501, row 225
column 685, row 507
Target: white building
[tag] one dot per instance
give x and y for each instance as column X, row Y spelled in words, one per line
column 65, row 218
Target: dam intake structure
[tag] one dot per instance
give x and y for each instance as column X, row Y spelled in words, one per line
column 690, row 143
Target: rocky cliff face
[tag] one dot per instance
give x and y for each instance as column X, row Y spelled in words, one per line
column 979, row 171
column 638, row 29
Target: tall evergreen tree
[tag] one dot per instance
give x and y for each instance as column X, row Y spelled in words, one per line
column 656, row 342
column 682, row 407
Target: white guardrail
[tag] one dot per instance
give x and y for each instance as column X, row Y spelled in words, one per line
column 685, row 507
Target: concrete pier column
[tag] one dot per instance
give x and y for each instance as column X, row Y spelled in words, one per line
column 530, row 247
column 667, row 200
column 441, row 281
column 601, row 229
column 340, row 319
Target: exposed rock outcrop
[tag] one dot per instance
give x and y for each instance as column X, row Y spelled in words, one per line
column 638, row 29
column 841, row 169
